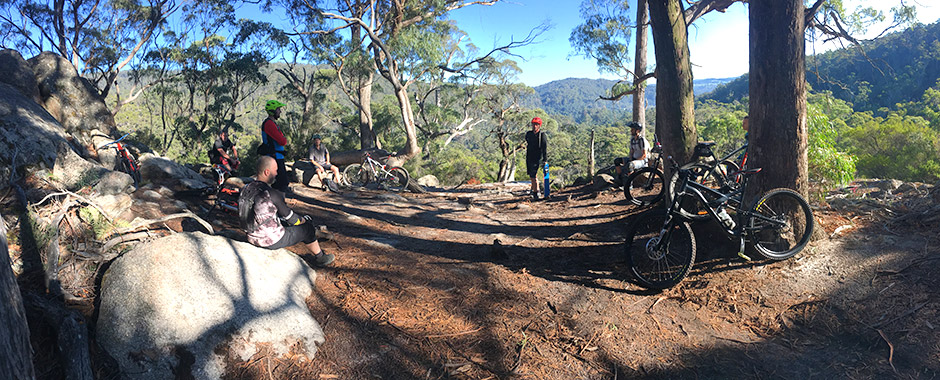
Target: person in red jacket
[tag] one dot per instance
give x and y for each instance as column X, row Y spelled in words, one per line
column 271, row 134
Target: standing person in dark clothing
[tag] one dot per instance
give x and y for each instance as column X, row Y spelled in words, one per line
column 535, row 154
column 271, row 134
column 219, row 152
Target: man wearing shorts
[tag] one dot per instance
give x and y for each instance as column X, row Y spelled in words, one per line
column 320, row 157
column 535, row 154
column 270, row 223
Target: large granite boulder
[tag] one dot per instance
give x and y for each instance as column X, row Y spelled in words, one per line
column 71, row 99
column 74, row 172
column 27, row 129
column 194, row 296
column 19, row 74
column 165, row 171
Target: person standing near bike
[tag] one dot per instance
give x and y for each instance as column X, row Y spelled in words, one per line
column 219, row 152
column 270, row 223
column 638, row 152
column 536, row 154
column 271, row 135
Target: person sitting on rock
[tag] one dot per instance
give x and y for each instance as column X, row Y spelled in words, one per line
column 320, row 158
column 219, row 152
column 270, row 223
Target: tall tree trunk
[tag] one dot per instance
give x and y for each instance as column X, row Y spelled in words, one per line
column 367, row 139
column 675, row 114
column 778, row 136
column 17, row 354
column 411, row 148
column 639, row 97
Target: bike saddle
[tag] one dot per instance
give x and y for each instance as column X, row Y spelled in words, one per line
column 705, row 144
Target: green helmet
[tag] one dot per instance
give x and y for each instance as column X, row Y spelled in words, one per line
column 273, row 105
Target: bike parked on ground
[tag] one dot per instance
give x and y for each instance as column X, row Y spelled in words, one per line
column 394, row 178
column 645, row 186
column 660, row 245
column 707, row 169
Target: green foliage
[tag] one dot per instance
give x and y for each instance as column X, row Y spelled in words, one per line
column 828, row 166
column 605, row 35
column 899, row 147
column 721, row 123
column 100, row 226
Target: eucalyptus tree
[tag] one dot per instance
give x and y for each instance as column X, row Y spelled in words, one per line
column 99, row 38
column 605, row 36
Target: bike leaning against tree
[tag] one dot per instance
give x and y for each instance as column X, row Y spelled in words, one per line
column 394, row 178
column 660, row 245
column 709, row 170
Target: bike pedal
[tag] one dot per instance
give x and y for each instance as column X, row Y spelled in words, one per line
column 743, row 256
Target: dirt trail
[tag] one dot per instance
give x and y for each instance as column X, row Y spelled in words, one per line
column 420, row 290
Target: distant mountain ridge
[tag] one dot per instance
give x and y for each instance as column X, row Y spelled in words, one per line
column 895, row 68
column 574, row 96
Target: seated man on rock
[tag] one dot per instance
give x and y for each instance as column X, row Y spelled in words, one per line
column 320, row 157
column 270, row 223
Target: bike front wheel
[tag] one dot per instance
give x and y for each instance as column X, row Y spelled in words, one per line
column 644, row 187
column 355, row 175
column 780, row 224
column 396, row 179
column 660, row 255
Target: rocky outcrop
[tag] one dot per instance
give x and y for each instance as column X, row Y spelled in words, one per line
column 429, row 181
column 27, row 129
column 166, row 171
column 72, row 171
column 71, row 99
column 192, row 296
column 19, row 74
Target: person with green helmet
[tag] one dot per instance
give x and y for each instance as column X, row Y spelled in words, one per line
column 271, row 134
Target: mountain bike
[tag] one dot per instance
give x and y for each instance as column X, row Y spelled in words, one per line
column 225, row 198
column 660, row 244
column 645, row 186
column 128, row 163
column 394, row 178
column 707, row 169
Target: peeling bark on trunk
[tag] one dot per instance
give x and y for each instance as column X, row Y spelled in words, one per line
column 778, row 135
column 367, row 138
column 675, row 117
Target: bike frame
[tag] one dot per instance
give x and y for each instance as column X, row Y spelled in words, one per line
column 373, row 164
column 123, row 151
column 686, row 187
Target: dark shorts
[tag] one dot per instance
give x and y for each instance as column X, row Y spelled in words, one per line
column 532, row 167
column 305, row 233
column 326, row 166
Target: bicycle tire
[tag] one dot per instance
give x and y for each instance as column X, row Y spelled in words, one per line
column 131, row 169
column 644, row 187
column 396, row 179
column 782, row 205
column 715, row 177
column 659, row 269
column 355, row 175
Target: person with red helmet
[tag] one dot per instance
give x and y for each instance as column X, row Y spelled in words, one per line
column 536, row 153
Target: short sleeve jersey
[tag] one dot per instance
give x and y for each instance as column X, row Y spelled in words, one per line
column 318, row 155
column 638, row 145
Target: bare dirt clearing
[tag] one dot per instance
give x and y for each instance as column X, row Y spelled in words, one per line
column 481, row 283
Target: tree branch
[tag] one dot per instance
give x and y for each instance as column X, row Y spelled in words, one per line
column 700, row 8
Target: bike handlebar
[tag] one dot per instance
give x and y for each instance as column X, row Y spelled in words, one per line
column 115, row 141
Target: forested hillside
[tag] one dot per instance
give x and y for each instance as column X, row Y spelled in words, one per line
column 579, row 99
column 895, row 68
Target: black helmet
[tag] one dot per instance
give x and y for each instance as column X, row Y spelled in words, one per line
column 635, row 125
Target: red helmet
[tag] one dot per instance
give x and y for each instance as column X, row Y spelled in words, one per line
column 537, row 120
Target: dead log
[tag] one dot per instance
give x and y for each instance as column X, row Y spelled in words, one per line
column 71, row 335
column 355, row 156
column 15, row 350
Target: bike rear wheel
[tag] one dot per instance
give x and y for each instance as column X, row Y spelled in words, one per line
column 644, row 187
column 396, row 179
column 129, row 166
column 655, row 265
column 355, row 175
column 781, row 224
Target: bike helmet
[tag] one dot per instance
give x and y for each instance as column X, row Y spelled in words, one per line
column 635, row 125
column 537, row 120
column 273, row 105
column 317, row 136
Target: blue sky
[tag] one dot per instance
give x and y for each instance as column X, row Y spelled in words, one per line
column 718, row 42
